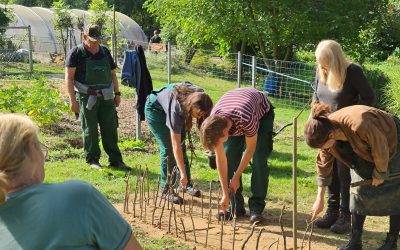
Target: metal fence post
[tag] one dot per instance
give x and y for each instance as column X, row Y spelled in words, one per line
column 138, row 124
column 169, row 62
column 30, row 50
column 239, row 69
column 253, row 71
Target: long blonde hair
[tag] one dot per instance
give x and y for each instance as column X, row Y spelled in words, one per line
column 329, row 54
column 16, row 132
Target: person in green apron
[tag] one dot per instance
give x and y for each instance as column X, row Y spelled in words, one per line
column 94, row 94
column 366, row 140
column 169, row 114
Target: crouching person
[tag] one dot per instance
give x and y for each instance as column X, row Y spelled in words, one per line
column 240, row 129
column 366, row 140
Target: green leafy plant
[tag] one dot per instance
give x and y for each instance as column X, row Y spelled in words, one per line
column 36, row 99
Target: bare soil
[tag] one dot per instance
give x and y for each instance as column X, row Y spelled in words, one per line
column 163, row 223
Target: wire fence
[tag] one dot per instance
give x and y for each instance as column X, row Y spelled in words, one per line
column 16, row 51
column 290, row 84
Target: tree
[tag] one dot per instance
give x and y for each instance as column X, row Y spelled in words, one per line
column 5, row 19
column 272, row 28
column 63, row 23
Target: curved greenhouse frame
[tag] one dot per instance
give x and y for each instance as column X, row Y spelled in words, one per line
column 44, row 36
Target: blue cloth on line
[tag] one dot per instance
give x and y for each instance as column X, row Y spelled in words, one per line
column 131, row 69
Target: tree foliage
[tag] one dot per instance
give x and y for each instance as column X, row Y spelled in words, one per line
column 62, row 22
column 271, row 28
column 5, row 18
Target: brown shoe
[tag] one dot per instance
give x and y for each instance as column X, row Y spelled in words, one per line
column 328, row 219
column 342, row 224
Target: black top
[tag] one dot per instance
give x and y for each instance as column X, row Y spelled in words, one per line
column 76, row 58
column 155, row 39
column 355, row 90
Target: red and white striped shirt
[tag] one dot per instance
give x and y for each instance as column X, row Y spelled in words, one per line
column 245, row 107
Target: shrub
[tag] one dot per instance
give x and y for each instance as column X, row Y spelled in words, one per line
column 378, row 80
column 36, row 99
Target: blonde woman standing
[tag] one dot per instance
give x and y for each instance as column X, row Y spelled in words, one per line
column 339, row 83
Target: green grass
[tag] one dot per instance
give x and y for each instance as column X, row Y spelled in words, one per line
column 66, row 160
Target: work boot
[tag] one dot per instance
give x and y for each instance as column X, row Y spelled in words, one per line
column 328, row 219
column 95, row 165
column 390, row 243
column 256, row 216
column 169, row 193
column 343, row 224
column 191, row 190
column 229, row 215
column 355, row 242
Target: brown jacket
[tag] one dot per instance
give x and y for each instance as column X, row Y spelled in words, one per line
column 372, row 134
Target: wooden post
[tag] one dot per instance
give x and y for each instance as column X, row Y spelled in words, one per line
column 294, row 183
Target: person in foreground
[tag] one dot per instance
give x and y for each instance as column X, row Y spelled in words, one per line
column 339, row 83
column 240, row 129
column 33, row 215
column 366, row 140
column 169, row 114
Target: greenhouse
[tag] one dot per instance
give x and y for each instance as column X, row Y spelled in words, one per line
column 44, row 36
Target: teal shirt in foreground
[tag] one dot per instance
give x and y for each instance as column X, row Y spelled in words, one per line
column 69, row 215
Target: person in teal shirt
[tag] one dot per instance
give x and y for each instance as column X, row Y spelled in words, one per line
column 169, row 114
column 33, row 215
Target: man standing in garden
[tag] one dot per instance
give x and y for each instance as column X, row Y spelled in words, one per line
column 93, row 89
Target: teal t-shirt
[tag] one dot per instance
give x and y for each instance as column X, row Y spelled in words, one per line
column 69, row 215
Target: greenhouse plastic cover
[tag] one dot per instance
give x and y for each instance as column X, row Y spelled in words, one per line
column 44, row 37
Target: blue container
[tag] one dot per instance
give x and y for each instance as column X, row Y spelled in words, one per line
column 270, row 84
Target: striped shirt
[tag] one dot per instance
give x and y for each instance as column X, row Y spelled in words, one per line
column 245, row 107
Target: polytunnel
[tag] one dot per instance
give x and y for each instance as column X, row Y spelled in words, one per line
column 44, row 36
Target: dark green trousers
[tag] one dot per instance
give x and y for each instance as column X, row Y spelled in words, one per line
column 156, row 120
column 234, row 148
column 103, row 115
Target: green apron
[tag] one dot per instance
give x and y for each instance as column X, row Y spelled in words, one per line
column 98, row 72
column 367, row 199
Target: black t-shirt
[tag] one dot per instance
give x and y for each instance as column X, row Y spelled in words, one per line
column 356, row 90
column 155, row 39
column 77, row 59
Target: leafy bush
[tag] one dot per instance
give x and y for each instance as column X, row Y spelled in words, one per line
column 36, row 99
column 378, row 80
column 304, row 56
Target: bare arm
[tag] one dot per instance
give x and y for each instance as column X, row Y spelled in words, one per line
column 222, row 167
column 69, row 85
column 319, row 203
column 132, row 244
column 178, row 154
column 251, row 143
